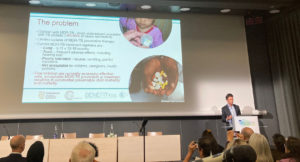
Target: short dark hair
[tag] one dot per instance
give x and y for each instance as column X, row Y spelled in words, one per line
column 279, row 142
column 241, row 153
column 228, row 95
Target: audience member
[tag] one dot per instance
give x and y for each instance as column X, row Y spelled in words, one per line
column 36, row 152
column 83, row 152
column 246, row 133
column 17, row 144
column 240, row 153
column 279, row 149
column 292, row 150
column 206, row 148
column 208, row 133
column 235, row 142
column 261, row 146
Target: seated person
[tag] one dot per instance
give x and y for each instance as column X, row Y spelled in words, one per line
column 246, row 133
column 83, row 152
column 36, row 152
column 17, row 144
column 241, row 153
column 206, row 149
column 278, row 149
column 262, row 148
column 292, row 150
column 208, row 133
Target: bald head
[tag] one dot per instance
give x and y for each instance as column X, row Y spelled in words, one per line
column 247, row 132
column 17, row 143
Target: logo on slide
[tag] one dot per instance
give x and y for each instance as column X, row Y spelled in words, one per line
column 69, row 95
column 41, row 95
column 246, row 123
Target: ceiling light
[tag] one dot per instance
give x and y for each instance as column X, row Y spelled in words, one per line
column 34, row 2
column 90, row 4
column 145, row 7
column 185, row 9
column 274, row 11
column 226, row 10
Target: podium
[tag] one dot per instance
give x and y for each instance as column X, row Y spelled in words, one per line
column 239, row 122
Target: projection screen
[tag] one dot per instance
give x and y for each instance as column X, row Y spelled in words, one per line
column 98, row 71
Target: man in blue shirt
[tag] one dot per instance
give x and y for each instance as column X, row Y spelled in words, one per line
column 230, row 111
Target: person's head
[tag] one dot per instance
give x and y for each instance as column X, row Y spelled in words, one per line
column 261, row 147
column 83, row 152
column 35, row 152
column 247, row 132
column 206, row 147
column 229, row 98
column 144, row 23
column 279, row 142
column 17, row 143
column 240, row 153
column 207, row 133
column 292, row 147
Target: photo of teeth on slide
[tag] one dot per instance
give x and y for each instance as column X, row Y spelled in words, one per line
column 145, row 32
column 157, row 78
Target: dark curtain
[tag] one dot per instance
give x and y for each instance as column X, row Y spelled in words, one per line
column 283, row 38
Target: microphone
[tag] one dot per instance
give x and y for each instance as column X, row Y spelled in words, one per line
column 62, row 129
column 4, row 127
column 143, row 125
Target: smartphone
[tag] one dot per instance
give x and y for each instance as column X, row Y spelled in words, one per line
column 235, row 134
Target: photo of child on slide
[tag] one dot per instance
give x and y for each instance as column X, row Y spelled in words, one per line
column 157, row 78
column 145, row 32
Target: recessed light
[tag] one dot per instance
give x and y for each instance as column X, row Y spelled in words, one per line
column 90, row 4
column 146, row 7
column 34, row 2
column 226, row 10
column 185, row 9
column 274, row 11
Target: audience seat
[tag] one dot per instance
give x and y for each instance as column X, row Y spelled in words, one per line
column 97, row 135
column 131, row 134
column 154, row 133
column 4, row 138
column 68, row 135
column 34, row 137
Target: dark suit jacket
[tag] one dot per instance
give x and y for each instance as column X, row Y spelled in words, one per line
column 226, row 112
column 13, row 158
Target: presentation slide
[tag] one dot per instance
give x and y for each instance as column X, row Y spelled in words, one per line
column 75, row 63
column 79, row 58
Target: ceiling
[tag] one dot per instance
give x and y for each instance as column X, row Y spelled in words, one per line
column 239, row 7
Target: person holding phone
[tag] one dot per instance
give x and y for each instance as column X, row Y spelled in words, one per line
column 229, row 111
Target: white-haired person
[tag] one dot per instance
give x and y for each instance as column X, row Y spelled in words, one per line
column 83, row 152
column 262, row 148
